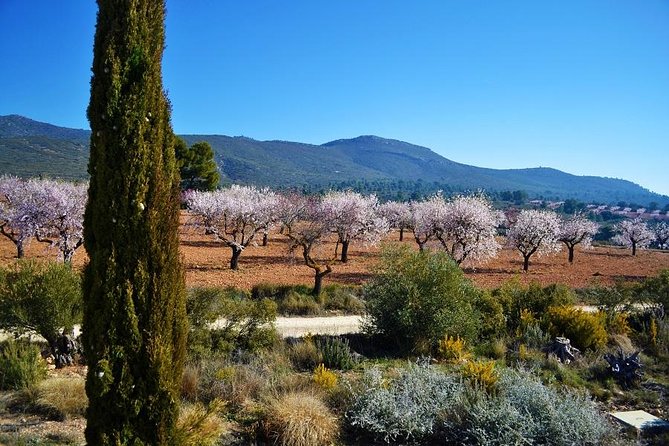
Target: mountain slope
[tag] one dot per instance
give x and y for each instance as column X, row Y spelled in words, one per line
column 30, row 148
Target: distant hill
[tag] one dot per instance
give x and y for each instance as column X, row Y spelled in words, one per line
column 31, row 148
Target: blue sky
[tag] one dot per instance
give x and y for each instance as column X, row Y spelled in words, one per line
column 581, row 86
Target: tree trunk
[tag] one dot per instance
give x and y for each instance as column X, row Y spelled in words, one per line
column 265, row 239
column 401, row 234
column 571, row 254
column 318, row 282
column 344, row 251
column 633, row 248
column 20, row 250
column 526, row 263
column 234, row 260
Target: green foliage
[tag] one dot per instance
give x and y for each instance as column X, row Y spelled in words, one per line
column 196, row 164
column 21, row 365
column 584, row 330
column 304, row 354
column 135, row 326
column 238, row 322
column 417, row 298
column 42, row 298
column 516, row 297
column 299, row 299
column 656, row 290
column 335, row 352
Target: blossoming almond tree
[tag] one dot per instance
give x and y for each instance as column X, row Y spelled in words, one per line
column 234, row 215
column 306, row 223
column 661, row 230
column 425, row 218
column 398, row 215
column 534, row 232
column 353, row 217
column 23, row 210
column 468, row 228
column 633, row 234
column 577, row 229
column 64, row 224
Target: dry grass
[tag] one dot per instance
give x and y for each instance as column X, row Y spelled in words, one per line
column 199, row 425
column 301, row 419
column 64, row 396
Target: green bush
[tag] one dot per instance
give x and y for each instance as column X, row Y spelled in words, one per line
column 299, row 299
column 515, row 297
column 655, row 290
column 417, row 298
column 335, row 352
column 21, row 365
column 584, row 330
column 42, row 298
column 222, row 320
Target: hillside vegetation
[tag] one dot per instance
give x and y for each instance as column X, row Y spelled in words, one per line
column 31, row 148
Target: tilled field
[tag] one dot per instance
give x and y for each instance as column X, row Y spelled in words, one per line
column 206, row 263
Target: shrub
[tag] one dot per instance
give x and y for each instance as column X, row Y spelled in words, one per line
column 299, row 304
column 299, row 299
column 453, row 349
column 335, row 352
column 200, row 425
column 42, row 298
column 238, row 322
column 402, row 409
column 63, row 397
column 324, row 378
column 305, row 355
column 584, row 330
column 656, row 291
column 343, row 299
column 21, row 365
column 524, row 411
column 416, row 298
column 300, row 419
column 481, row 374
column 534, row 298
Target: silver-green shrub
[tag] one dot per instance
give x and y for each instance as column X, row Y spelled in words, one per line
column 404, row 409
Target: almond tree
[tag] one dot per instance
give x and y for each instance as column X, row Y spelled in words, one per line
column 534, row 232
column 425, row 218
column 661, row 234
column 633, row 234
column 577, row 229
column 234, row 215
column 468, row 229
column 23, row 210
column 64, row 224
column 353, row 217
column 306, row 223
column 398, row 214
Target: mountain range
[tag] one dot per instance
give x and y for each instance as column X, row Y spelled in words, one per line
column 32, row 148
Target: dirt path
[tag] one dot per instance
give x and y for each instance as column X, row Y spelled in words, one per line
column 332, row 325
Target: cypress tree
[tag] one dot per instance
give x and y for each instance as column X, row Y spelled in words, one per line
column 134, row 303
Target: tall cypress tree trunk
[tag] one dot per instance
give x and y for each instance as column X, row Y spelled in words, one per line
column 134, row 326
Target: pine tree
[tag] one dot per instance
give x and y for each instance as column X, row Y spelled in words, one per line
column 134, row 303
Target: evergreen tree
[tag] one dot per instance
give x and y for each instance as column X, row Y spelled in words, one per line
column 134, row 301
column 197, row 166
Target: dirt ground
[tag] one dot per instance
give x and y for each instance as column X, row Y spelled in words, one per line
column 206, row 263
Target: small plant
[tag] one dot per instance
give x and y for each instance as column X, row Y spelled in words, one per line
column 324, row 378
column 300, row 419
column 453, row 349
column 481, row 374
column 403, row 409
column 584, row 330
column 21, row 365
column 200, row 425
column 335, row 353
column 63, row 397
column 305, row 354
column 523, row 354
